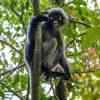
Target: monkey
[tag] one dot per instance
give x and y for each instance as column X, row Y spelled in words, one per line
column 52, row 43
column 56, row 19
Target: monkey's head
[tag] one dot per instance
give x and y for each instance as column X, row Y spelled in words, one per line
column 57, row 16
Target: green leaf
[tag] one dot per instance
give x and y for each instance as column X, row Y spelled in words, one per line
column 91, row 37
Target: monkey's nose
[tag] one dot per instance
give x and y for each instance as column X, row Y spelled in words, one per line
column 55, row 22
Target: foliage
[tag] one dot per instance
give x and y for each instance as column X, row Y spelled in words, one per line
column 82, row 49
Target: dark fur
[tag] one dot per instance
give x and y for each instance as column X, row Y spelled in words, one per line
column 49, row 32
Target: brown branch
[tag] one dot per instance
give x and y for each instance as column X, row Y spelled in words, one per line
column 82, row 23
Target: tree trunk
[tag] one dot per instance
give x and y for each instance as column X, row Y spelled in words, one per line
column 36, row 69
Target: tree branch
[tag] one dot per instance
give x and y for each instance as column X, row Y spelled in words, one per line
column 10, row 90
column 82, row 23
column 86, row 72
column 11, row 70
column 10, row 45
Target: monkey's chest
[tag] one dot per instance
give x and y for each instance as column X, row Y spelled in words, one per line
column 49, row 51
column 46, row 37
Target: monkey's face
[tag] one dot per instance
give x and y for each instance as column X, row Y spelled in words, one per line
column 56, row 18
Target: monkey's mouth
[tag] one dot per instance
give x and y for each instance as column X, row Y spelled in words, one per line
column 55, row 23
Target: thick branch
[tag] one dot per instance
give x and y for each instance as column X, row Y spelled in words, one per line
column 36, row 7
column 36, row 66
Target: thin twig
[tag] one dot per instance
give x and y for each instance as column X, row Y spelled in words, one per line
column 90, row 71
column 5, row 60
column 10, row 45
column 10, row 90
column 11, row 70
column 82, row 23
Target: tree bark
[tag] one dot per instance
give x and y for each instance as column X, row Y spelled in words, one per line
column 36, row 69
column 35, row 4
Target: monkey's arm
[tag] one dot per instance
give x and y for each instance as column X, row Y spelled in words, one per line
column 30, row 45
column 60, row 44
column 35, row 21
column 29, row 49
column 62, row 60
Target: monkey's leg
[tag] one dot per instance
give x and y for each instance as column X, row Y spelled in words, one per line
column 60, row 90
column 48, row 56
column 65, row 66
